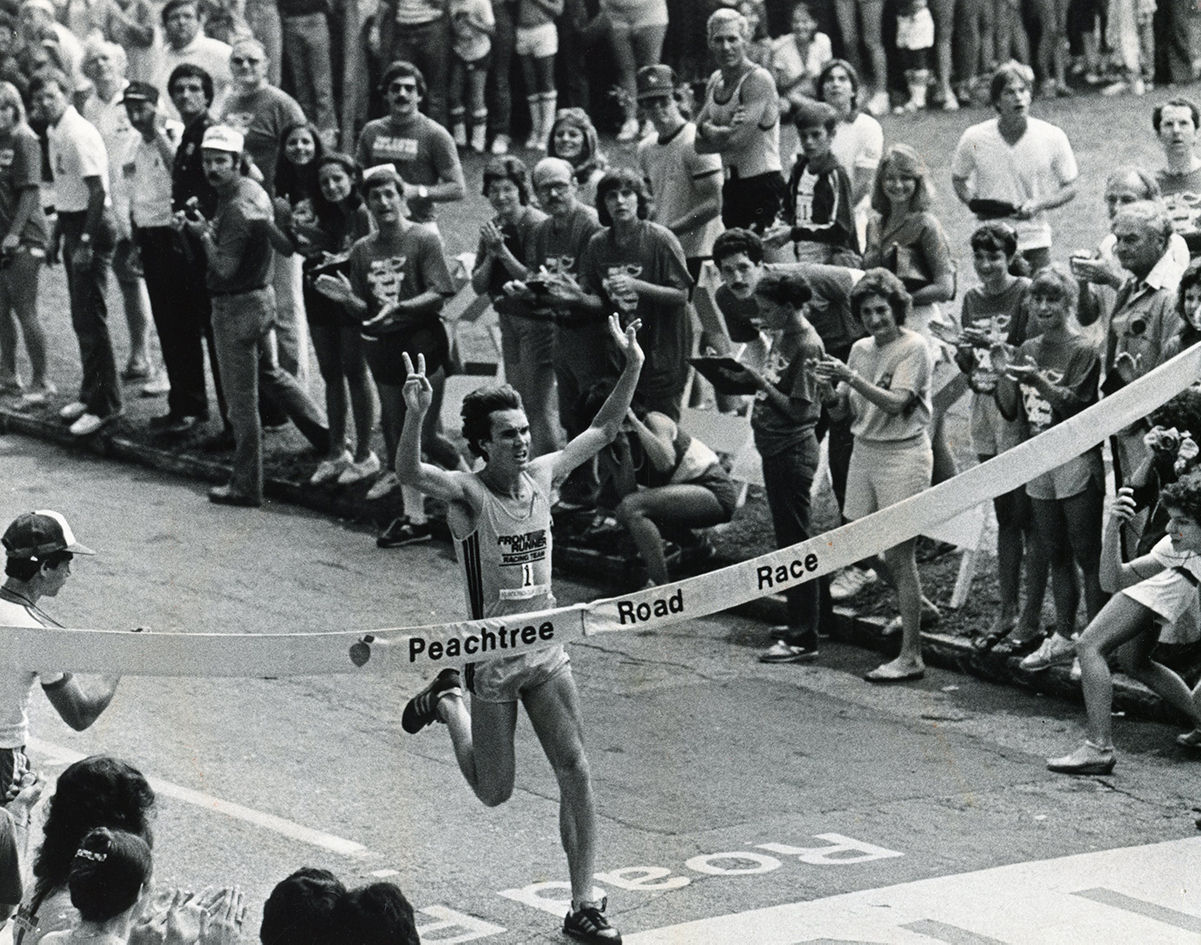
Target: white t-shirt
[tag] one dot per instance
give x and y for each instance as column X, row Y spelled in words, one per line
column 211, row 55
column 673, row 170
column 76, row 151
column 1039, row 164
column 16, row 687
column 149, row 181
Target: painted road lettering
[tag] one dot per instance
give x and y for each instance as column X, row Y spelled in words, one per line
column 838, row 850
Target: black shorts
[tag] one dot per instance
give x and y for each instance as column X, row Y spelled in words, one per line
column 718, row 481
column 753, row 202
column 384, row 352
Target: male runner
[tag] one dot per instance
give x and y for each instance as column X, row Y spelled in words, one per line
column 500, row 519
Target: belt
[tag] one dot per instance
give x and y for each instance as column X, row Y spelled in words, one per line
column 223, row 295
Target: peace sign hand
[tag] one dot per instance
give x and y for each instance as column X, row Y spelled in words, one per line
column 418, row 392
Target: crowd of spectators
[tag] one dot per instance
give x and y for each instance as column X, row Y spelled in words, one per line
column 226, row 163
column 90, row 878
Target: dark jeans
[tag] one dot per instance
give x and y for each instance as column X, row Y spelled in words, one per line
column 178, row 318
column 100, row 388
column 500, row 100
column 242, row 325
column 787, row 478
column 427, row 46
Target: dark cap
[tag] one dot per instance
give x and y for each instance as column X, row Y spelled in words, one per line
column 655, row 81
column 36, row 535
column 140, row 92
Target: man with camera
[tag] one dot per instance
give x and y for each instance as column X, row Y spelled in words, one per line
column 1144, row 315
column 238, row 245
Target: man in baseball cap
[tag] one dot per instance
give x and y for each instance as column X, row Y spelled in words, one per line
column 39, row 547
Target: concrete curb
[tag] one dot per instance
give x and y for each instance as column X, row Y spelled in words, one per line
column 947, row 652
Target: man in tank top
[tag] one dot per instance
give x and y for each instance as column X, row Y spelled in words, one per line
column 500, row 521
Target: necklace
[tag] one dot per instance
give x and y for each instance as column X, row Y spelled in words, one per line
column 20, row 598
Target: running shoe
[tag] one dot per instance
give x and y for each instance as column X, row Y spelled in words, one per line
column 1190, row 739
column 422, row 709
column 73, row 411
column 401, row 532
column 382, row 486
column 330, row 469
column 588, row 924
column 1054, row 650
column 782, row 652
column 357, row 472
column 850, row 581
column 1089, row 758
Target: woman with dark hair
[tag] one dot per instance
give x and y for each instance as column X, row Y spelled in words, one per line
column 1054, row 376
column 885, row 383
column 1188, row 307
column 905, row 238
column 324, row 239
column 637, row 268
column 99, row 791
column 109, row 881
column 858, row 138
column 656, row 478
column 300, row 148
column 798, row 58
column 527, row 344
column 573, row 138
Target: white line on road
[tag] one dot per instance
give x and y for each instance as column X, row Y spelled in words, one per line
column 1112, row 897
column 286, row 828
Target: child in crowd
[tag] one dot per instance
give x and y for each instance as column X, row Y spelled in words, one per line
column 915, row 39
column 784, row 420
column 1155, row 595
column 1054, row 376
column 818, row 214
column 993, row 321
column 472, row 24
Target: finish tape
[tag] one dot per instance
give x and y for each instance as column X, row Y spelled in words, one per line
column 450, row 644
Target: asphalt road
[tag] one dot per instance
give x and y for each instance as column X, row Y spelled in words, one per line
column 799, row 803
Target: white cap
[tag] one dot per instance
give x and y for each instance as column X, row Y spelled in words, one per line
column 223, row 138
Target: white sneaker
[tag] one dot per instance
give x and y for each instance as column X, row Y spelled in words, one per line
column 501, row 144
column 850, row 581
column 157, row 385
column 878, row 104
column 357, row 472
column 36, row 397
column 383, row 485
column 330, row 469
column 1054, row 650
column 74, row 410
column 86, row 425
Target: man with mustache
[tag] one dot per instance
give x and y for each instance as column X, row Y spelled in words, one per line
column 238, row 245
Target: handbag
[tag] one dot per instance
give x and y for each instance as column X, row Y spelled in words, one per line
column 908, row 265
